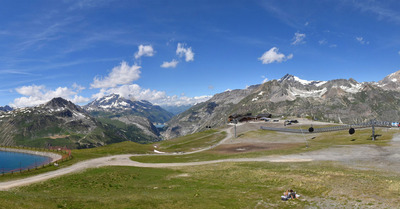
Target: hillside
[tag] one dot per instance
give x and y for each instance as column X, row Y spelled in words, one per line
column 339, row 100
column 61, row 123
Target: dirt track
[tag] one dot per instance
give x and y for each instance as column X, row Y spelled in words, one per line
column 357, row 156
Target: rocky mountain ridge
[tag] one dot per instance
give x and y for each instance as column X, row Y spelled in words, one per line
column 61, row 123
column 339, row 100
column 141, row 114
column 114, row 104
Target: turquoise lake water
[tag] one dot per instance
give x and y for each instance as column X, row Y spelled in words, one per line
column 13, row 161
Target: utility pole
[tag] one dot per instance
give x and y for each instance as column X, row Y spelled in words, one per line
column 373, row 130
column 235, row 121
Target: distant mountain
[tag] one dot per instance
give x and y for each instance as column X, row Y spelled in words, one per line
column 391, row 82
column 6, row 108
column 61, row 123
column 127, row 114
column 115, row 104
column 176, row 109
column 338, row 100
column 213, row 112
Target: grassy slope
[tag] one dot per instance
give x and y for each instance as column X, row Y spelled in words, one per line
column 229, row 185
column 192, row 142
column 322, row 140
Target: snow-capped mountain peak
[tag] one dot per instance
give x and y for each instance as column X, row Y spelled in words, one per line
column 292, row 78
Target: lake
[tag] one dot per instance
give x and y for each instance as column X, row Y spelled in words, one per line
column 13, row 161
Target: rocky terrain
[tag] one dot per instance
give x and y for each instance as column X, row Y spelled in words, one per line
column 115, row 104
column 61, row 123
column 341, row 100
column 129, row 115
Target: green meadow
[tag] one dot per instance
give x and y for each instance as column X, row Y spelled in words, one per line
column 321, row 184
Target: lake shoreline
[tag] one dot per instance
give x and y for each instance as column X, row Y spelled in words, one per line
column 53, row 156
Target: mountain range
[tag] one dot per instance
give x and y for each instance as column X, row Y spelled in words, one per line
column 129, row 115
column 113, row 118
column 61, row 123
column 115, row 104
column 340, row 100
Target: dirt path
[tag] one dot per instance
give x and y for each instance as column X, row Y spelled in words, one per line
column 124, row 160
column 370, row 156
column 117, row 160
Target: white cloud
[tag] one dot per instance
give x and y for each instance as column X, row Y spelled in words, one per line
column 144, row 50
column 135, row 92
column 265, row 79
column 181, row 50
column 35, row 95
column 171, row 64
column 77, row 87
column 79, row 99
column 298, row 38
column 306, row 24
column 123, row 74
column 399, row 52
column 30, row 90
column 361, row 40
column 273, row 55
column 333, row 46
column 322, row 42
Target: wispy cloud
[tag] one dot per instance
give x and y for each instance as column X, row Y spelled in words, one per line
column 377, row 8
column 265, row 79
column 171, row 64
column 184, row 51
column 281, row 14
column 298, row 38
column 361, row 40
column 83, row 4
column 49, row 34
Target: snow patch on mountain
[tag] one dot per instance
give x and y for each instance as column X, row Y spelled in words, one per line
column 355, row 88
column 304, row 93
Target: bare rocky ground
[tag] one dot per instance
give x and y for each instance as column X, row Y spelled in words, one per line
column 369, row 156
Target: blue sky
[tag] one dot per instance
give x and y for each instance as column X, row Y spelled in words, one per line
column 183, row 51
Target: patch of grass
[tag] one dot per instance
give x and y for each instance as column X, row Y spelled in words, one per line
column 191, row 142
column 126, row 147
column 225, row 185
